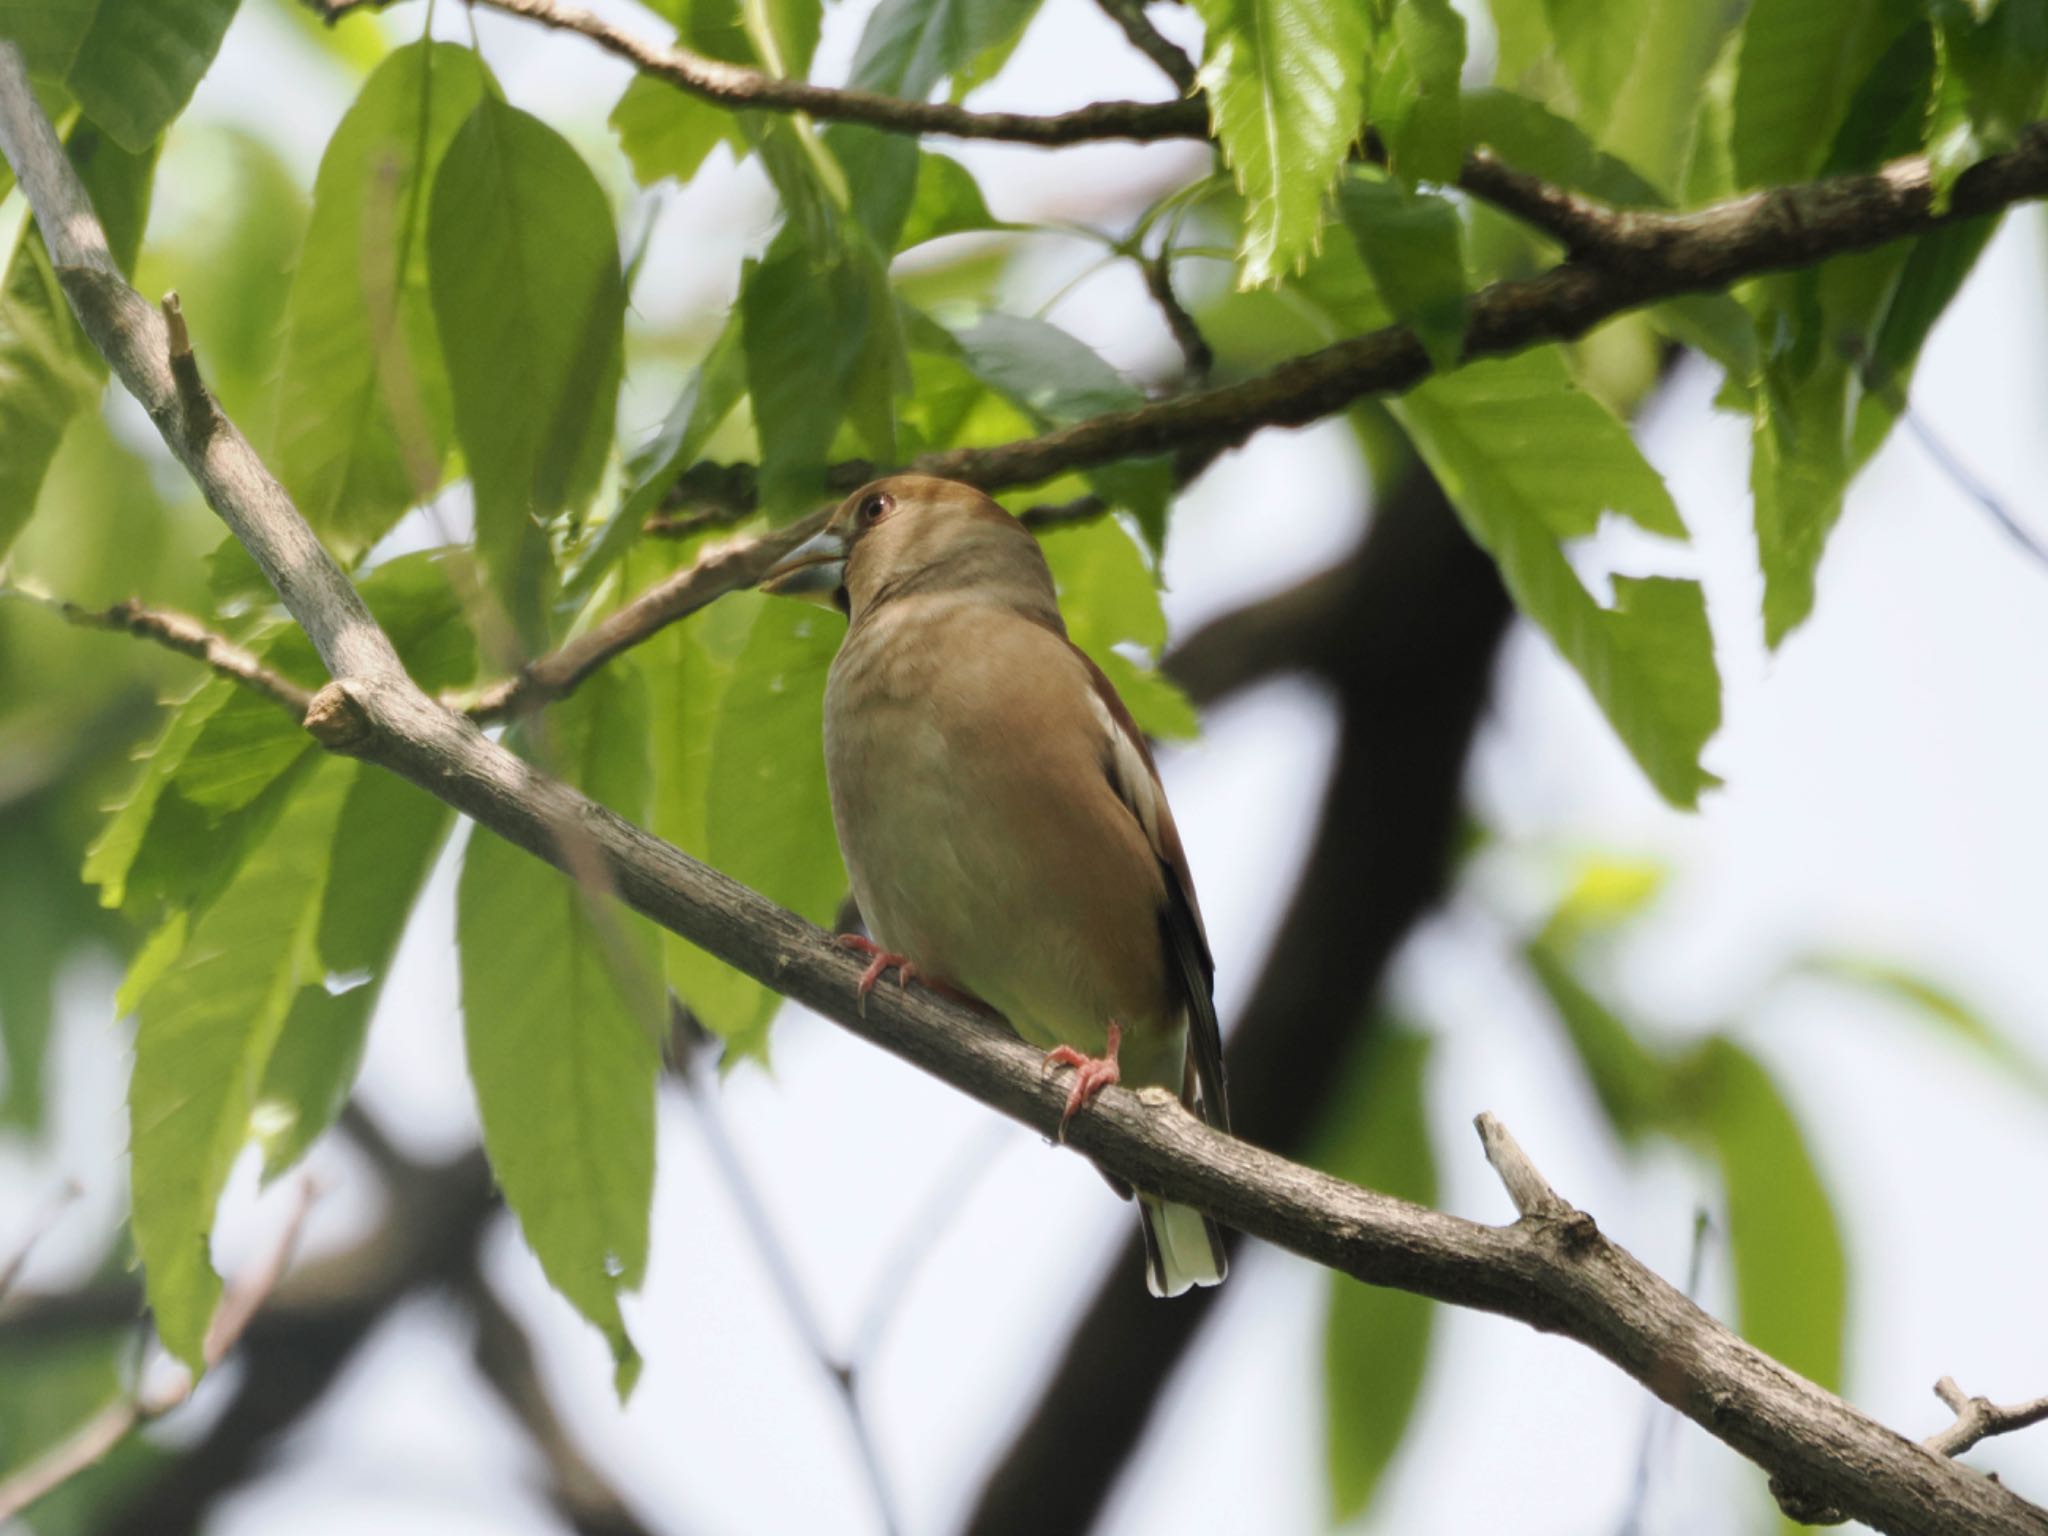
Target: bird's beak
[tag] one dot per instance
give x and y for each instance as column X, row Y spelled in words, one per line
column 815, row 569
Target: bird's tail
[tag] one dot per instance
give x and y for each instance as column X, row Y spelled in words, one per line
column 1183, row 1248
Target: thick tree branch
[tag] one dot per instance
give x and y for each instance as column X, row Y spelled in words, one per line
column 1555, row 1273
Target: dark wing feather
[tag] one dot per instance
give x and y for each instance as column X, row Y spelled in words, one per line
column 1128, row 762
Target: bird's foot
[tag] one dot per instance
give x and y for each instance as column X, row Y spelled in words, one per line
column 879, row 961
column 1092, row 1074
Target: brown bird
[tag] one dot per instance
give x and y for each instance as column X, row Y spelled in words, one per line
column 1000, row 815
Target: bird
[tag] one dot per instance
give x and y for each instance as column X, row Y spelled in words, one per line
column 1001, row 818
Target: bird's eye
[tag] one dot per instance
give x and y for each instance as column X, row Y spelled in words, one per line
column 874, row 506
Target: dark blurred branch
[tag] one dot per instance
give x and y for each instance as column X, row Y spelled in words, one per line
column 114, row 1423
column 1403, row 633
column 1147, row 39
column 1194, row 346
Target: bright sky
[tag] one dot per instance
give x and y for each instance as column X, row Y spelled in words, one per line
column 1884, row 796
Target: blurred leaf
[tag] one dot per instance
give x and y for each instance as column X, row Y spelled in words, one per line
column 1598, row 42
column 46, row 916
column 1656, row 117
column 1286, row 87
column 1375, row 1340
column 1991, row 70
column 363, row 410
column 1414, row 99
column 910, row 46
column 1055, row 380
column 529, row 303
column 691, row 665
column 1799, row 67
column 1934, row 270
column 767, row 812
column 1413, row 245
column 1632, row 1082
column 1111, row 604
column 946, row 201
column 385, row 841
column 205, row 1035
column 1791, row 1276
column 1933, row 1003
column 1606, row 892
column 1529, row 461
column 665, row 132
column 54, row 1384
column 131, row 64
column 49, row 372
column 561, row 1017
column 239, row 220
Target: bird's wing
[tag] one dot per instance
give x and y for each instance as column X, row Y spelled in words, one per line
column 1136, row 781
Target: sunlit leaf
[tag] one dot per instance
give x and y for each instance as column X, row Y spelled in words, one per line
column 1414, row 100
column 561, row 1010
column 363, row 410
column 529, row 303
column 205, row 1036
column 1529, row 461
column 1286, row 86
column 1111, row 604
column 1376, row 1339
column 131, row 64
column 946, row 201
column 1799, row 67
column 1413, row 245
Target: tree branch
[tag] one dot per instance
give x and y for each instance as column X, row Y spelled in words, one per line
column 1146, row 38
column 1978, row 1418
column 1559, row 1275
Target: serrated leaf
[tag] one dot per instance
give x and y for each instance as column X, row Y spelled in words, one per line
column 1055, row 380
column 911, row 46
column 1375, row 1339
column 385, row 841
column 1528, row 461
column 1798, row 69
column 363, row 412
column 1414, row 102
column 131, row 64
column 1413, row 245
column 49, row 372
column 204, row 1038
column 1791, row 1275
column 561, row 1017
column 112, row 855
column 767, row 811
column 1285, row 81
column 1110, row 602
column 529, row 303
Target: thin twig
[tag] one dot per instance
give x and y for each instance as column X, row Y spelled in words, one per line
column 1194, row 346
column 174, row 631
column 1978, row 1418
column 796, row 1305
column 38, row 1228
column 112, row 1424
column 1959, row 473
column 1148, row 40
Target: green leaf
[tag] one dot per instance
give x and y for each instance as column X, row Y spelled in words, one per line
column 1791, row 1276
column 1632, row 1082
column 529, row 303
column 205, row 1036
column 1413, row 245
column 1055, row 380
column 131, row 64
column 1991, row 72
column 1111, row 604
column 910, row 46
column 1799, row 67
column 767, row 811
column 691, row 665
column 1598, row 42
column 49, row 372
column 561, row 1016
column 1529, row 461
column 386, row 840
column 363, row 411
column 945, row 201
column 1375, row 1339
column 1414, row 103
column 1656, row 116
column 112, row 856
column 665, row 132
column 1930, row 1001
column 1286, row 87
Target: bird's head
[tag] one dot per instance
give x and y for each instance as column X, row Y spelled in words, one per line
column 916, row 534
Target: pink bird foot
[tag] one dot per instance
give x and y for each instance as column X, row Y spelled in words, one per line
column 1092, row 1074
column 879, row 961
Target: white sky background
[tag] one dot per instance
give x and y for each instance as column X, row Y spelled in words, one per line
column 1885, row 795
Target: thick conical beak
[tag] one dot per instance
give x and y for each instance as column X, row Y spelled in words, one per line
column 815, row 569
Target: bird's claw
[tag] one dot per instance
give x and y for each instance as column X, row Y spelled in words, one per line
column 1092, row 1074
column 879, row 961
